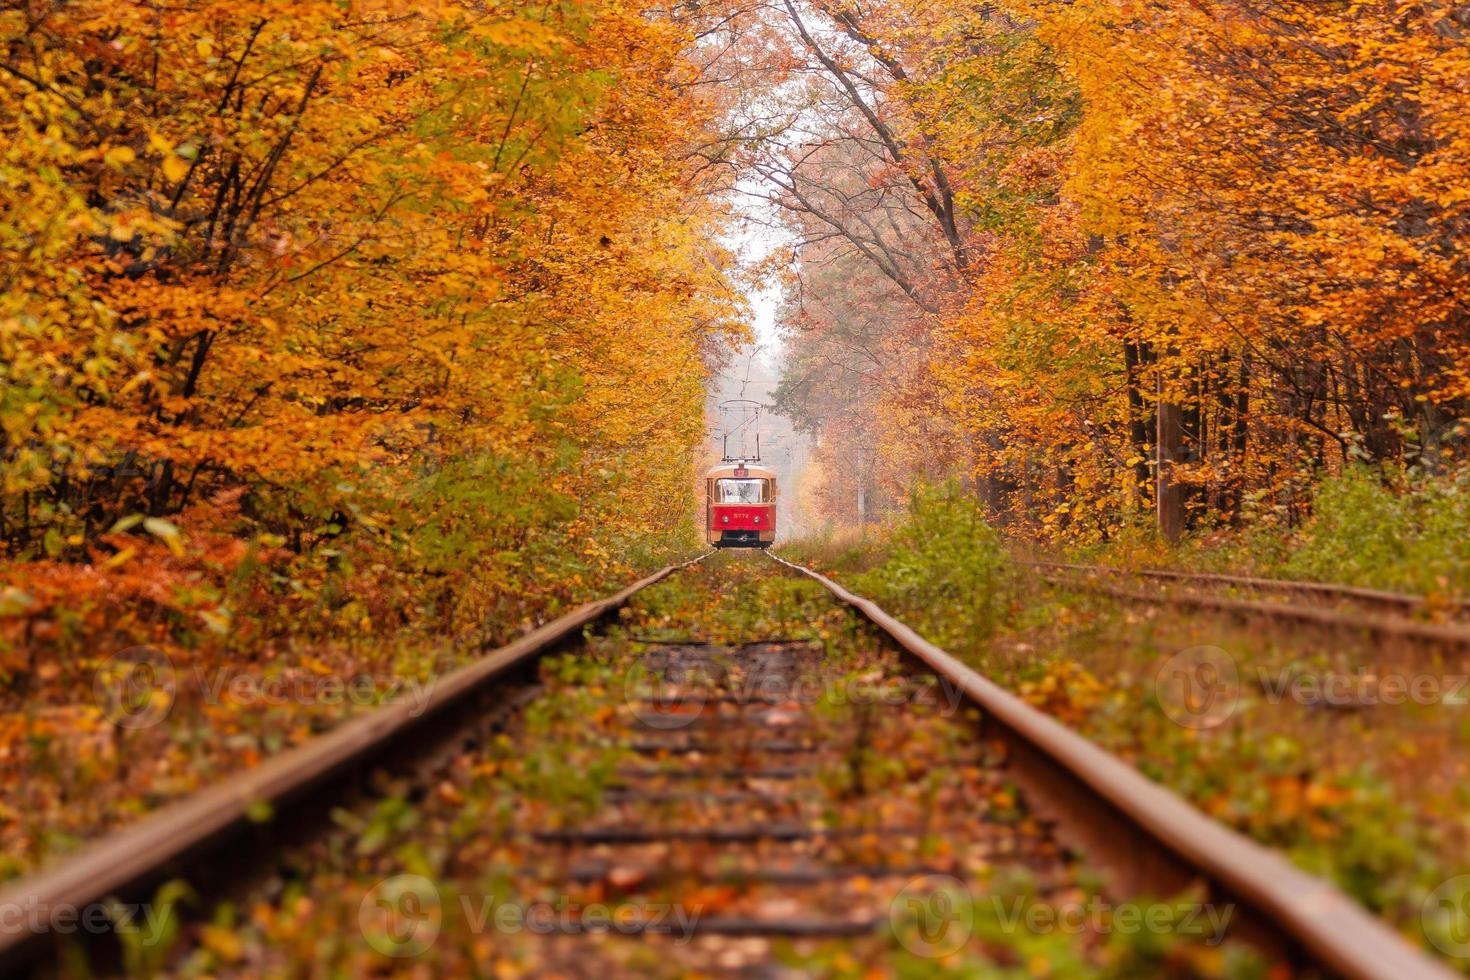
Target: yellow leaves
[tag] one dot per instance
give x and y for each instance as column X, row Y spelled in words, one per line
column 118, row 559
column 1322, row 795
column 524, row 34
column 118, row 157
column 175, row 168
column 222, row 941
column 166, row 532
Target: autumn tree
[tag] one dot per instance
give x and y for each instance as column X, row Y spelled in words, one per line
column 1198, row 255
column 415, row 283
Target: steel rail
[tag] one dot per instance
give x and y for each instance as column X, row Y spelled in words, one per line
column 133, row 857
column 1396, row 627
column 1155, row 843
column 1355, row 593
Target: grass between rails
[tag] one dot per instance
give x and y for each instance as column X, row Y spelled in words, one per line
column 1367, row 793
column 465, row 831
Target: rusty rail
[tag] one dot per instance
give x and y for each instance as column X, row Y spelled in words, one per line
column 1153, row 842
column 1405, row 601
column 137, row 856
column 1392, row 627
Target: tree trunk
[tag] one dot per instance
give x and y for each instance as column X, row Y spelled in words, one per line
column 1136, row 355
column 1169, row 498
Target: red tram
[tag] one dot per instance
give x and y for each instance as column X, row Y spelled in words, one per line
column 740, row 508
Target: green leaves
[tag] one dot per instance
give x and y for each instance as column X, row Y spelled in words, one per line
column 943, row 566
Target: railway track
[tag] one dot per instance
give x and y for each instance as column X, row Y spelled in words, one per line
column 807, row 779
column 1377, row 613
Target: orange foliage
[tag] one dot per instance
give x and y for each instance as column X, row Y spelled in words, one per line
column 325, row 321
column 1243, row 223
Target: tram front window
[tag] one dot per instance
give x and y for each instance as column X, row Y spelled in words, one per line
column 740, row 491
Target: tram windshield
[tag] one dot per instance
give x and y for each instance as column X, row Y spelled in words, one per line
column 740, row 491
